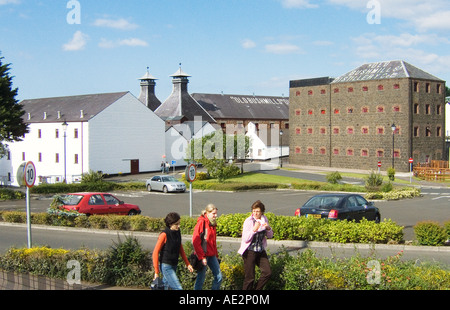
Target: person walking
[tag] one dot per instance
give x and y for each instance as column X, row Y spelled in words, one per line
column 255, row 232
column 206, row 251
column 167, row 250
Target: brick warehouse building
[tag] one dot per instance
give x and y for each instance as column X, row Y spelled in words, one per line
column 346, row 122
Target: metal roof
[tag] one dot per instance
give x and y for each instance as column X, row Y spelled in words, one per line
column 385, row 70
column 244, row 107
column 70, row 108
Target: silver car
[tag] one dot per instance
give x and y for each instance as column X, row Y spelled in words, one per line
column 165, row 183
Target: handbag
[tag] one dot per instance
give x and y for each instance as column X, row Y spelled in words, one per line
column 193, row 258
column 157, row 285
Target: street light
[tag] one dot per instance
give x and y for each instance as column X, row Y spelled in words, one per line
column 281, row 149
column 64, row 125
column 393, row 127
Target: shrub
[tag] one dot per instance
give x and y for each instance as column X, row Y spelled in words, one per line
column 391, row 173
column 334, row 177
column 373, row 181
column 9, row 194
column 430, row 233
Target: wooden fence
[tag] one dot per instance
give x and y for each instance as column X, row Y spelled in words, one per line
column 437, row 170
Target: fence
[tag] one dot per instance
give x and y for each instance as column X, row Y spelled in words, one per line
column 20, row 281
column 437, row 170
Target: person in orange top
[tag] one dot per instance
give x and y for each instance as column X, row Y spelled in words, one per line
column 167, row 250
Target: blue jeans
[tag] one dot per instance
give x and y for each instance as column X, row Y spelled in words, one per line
column 214, row 265
column 170, row 278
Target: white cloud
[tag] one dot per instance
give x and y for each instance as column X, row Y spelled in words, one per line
column 5, row 2
column 121, row 24
column 408, row 47
column 77, row 43
column 104, row 43
column 247, row 44
column 283, row 48
column 422, row 14
column 298, row 4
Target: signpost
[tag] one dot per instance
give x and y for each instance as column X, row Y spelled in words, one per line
column 26, row 175
column 379, row 166
column 410, row 169
column 190, row 174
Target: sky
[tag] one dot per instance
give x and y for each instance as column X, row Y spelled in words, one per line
column 74, row 47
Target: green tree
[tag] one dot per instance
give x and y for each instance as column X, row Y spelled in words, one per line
column 12, row 126
column 213, row 151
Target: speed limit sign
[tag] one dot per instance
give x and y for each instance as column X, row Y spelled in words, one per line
column 30, row 174
column 191, row 173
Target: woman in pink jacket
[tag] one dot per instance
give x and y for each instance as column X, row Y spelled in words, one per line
column 255, row 232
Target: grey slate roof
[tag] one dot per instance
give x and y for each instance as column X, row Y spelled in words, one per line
column 244, row 107
column 385, row 70
column 69, row 107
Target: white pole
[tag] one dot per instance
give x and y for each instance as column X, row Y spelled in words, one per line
column 190, row 199
column 28, row 219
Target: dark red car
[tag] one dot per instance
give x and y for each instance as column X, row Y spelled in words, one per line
column 98, row 203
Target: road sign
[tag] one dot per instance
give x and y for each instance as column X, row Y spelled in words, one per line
column 411, row 160
column 379, row 164
column 30, row 174
column 191, row 173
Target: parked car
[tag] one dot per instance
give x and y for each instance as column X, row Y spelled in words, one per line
column 165, row 183
column 98, row 203
column 339, row 207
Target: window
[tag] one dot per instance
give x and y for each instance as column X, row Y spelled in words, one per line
column 40, row 157
column 396, row 154
column 365, row 110
column 310, row 150
column 365, row 130
column 56, row 158
column 323, row 151
column 297, row 93
column 323, row 130
column 323, row 111
column 365, row 88
column 380, row 109
column 336, row 130
column 438, row 131
column 298, row 150
column 349, row 152
column 310, row 112
column 364, row 153
column 76, row 159
column 380, row 87
column 396, row 86
column 438, row 88
column 336, row 90
column 336, row 111
column 56, row 133
column 428, row 88
column 416, row 108
column 298, row 131
column 416, row 131
column 323, row 91
column 380, row 130
column 39, row 134
column 380, row 153
column 298, row 112
column 350, row 89
column 310, row 131
column 23, row 156
column 427, row 109
column 75, row 133
column 428, row 131
column 438, row 109
column 349, row 110
column 336, row 151
column 310, row 93
column 350, row 130
column 396, row 108
column 416, row 87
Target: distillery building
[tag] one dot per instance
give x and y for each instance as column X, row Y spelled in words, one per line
column 379, row 113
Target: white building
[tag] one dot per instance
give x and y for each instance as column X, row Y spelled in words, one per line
column 113, row 133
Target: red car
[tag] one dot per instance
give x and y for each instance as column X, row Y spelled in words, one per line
column 98, row 203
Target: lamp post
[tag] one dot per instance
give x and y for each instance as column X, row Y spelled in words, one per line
column 281, row 149
column 393, row 127
column 64, row 125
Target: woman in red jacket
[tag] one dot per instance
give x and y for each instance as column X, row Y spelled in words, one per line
column 205, row 247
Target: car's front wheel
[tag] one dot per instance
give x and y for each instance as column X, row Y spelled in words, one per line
column 149, row 187
column 132, row 212
column 165, row 190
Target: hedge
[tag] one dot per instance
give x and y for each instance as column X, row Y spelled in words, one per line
column 126, row 263
column 230, row 225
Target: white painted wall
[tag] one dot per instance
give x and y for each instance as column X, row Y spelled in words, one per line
column 123, row 131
